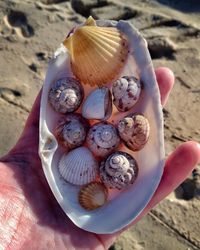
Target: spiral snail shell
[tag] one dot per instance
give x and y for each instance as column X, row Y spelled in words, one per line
column 134, row 131
column 126, row 92
column 119, row 170
column 66, row 95
column 71, row 131
column 102, row 139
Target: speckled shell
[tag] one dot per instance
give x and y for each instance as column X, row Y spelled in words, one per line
column 93, row 196
column 71, row 131
column 102, row 139
column 98, row 104
column 134, row 130
column 118, row 211
column 66, row 95
column 126, row 92
column 119, row 170
column 78, row 167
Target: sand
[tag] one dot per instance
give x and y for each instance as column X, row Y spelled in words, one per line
column 31, row 30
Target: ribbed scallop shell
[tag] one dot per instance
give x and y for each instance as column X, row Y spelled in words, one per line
column 93, row 195
column 78, row 167
column 106, row 57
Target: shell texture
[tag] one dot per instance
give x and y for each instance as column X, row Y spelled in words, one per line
column 78, row 167
column 71, row 131
column 134, row 130
column 66, row 95
column 119, row 170
column 93, row 196
column 98, row 104
column 104, row 60
column 126, row 92
column 102, row 139
column 118, row 211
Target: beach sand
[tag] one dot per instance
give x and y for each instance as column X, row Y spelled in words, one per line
column 29, row 33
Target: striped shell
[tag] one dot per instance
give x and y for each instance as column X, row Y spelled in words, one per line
column 78, row 167
column 93, row 196
column 105, row 59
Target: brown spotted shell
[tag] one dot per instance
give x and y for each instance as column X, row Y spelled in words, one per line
column 126, row 92
column 134, row 131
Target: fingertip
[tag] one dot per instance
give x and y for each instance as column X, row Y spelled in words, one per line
column 165, row 79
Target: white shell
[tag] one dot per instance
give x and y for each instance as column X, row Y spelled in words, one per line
column 119, row 211
column 98, row 104
column 78, row 167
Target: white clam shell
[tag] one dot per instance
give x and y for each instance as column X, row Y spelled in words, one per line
column 78, row 167
column 120, row 209
column 98, row 104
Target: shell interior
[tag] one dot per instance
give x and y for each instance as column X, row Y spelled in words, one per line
column 120, row 209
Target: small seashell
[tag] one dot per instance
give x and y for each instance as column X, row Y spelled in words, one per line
column 119, row 170
column 134, row 131
column 78, row 167
column 102, row 139
column 71, row 131
column 66, row 95
column 98, row 54
column 98, row 104
column 93, row 195
column 126, row 92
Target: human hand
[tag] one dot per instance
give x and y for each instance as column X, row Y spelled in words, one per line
column 30, row 217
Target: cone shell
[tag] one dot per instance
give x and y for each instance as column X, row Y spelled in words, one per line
column 98, row 54
column 78, row 167
column 93, row 195
column 98, row 105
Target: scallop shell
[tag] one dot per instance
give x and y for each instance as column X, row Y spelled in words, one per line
column 126, row 92
column 93, row 196
column 102, row 139
column 106, row 57
column 78, row 167
column 98, row 104
column 66, row 95
column 119, row 170
column 71, row 131
column 134, row 130
column 118, row 211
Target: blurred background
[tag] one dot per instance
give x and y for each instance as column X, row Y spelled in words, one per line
column 29, row 33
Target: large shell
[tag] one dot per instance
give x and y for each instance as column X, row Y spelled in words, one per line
column 119, row 170
column 119, row 211
column 102, row 139
column 106, row 57
column 78, row 167
column 71, row 131
column 98, row 104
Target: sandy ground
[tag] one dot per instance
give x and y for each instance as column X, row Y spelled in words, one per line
column 31, row 30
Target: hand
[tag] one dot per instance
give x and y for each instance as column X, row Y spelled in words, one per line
column 30, row 217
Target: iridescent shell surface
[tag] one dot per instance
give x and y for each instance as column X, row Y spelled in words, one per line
column 120, row 209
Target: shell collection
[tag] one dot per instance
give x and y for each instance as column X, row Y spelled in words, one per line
column 99, row 145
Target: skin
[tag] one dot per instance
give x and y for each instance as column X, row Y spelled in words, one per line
column 30, row 217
